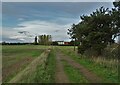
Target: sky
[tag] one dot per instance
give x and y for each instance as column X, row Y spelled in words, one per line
column 58, row 0
column 22, row 21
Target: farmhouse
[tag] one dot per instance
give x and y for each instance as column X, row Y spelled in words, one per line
column 60, row 42
column 63, row 43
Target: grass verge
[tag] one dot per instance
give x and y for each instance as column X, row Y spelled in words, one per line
column 46, row 72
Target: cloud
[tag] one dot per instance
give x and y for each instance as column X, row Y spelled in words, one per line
column 49, row 11
column 21, row 19
column 11, row 35
column 37, row 27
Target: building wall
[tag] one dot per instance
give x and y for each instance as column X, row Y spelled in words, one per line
column 60, row 43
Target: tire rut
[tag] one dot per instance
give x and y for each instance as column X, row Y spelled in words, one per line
column 90, row 76
column 60, row 76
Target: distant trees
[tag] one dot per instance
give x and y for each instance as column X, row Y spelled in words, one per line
column 55, row 43
column 36, row 40
column 97, row 30
column 45, row 39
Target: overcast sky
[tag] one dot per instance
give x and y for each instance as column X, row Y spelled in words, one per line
column 58, row 0
column 37, row 18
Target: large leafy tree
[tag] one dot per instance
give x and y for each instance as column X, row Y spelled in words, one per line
column 72, row 32
column 116, row 18
column 97, row 30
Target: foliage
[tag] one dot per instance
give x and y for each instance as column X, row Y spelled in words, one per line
column 55, row 43
column 97, row 30
column 44, row 39
column 74, row 43
column 116, row 18
column 35, row 40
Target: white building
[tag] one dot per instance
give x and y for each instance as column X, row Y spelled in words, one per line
column 60, row 42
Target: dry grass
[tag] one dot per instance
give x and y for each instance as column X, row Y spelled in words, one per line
column 110, row 63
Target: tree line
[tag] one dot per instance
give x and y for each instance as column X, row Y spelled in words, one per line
column 97, row 30
column 43, row 40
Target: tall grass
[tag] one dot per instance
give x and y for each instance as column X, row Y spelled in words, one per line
column 109, row 57
column 108, row 63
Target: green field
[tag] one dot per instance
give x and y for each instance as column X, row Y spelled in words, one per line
column 16, row 58
column 41, row 62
